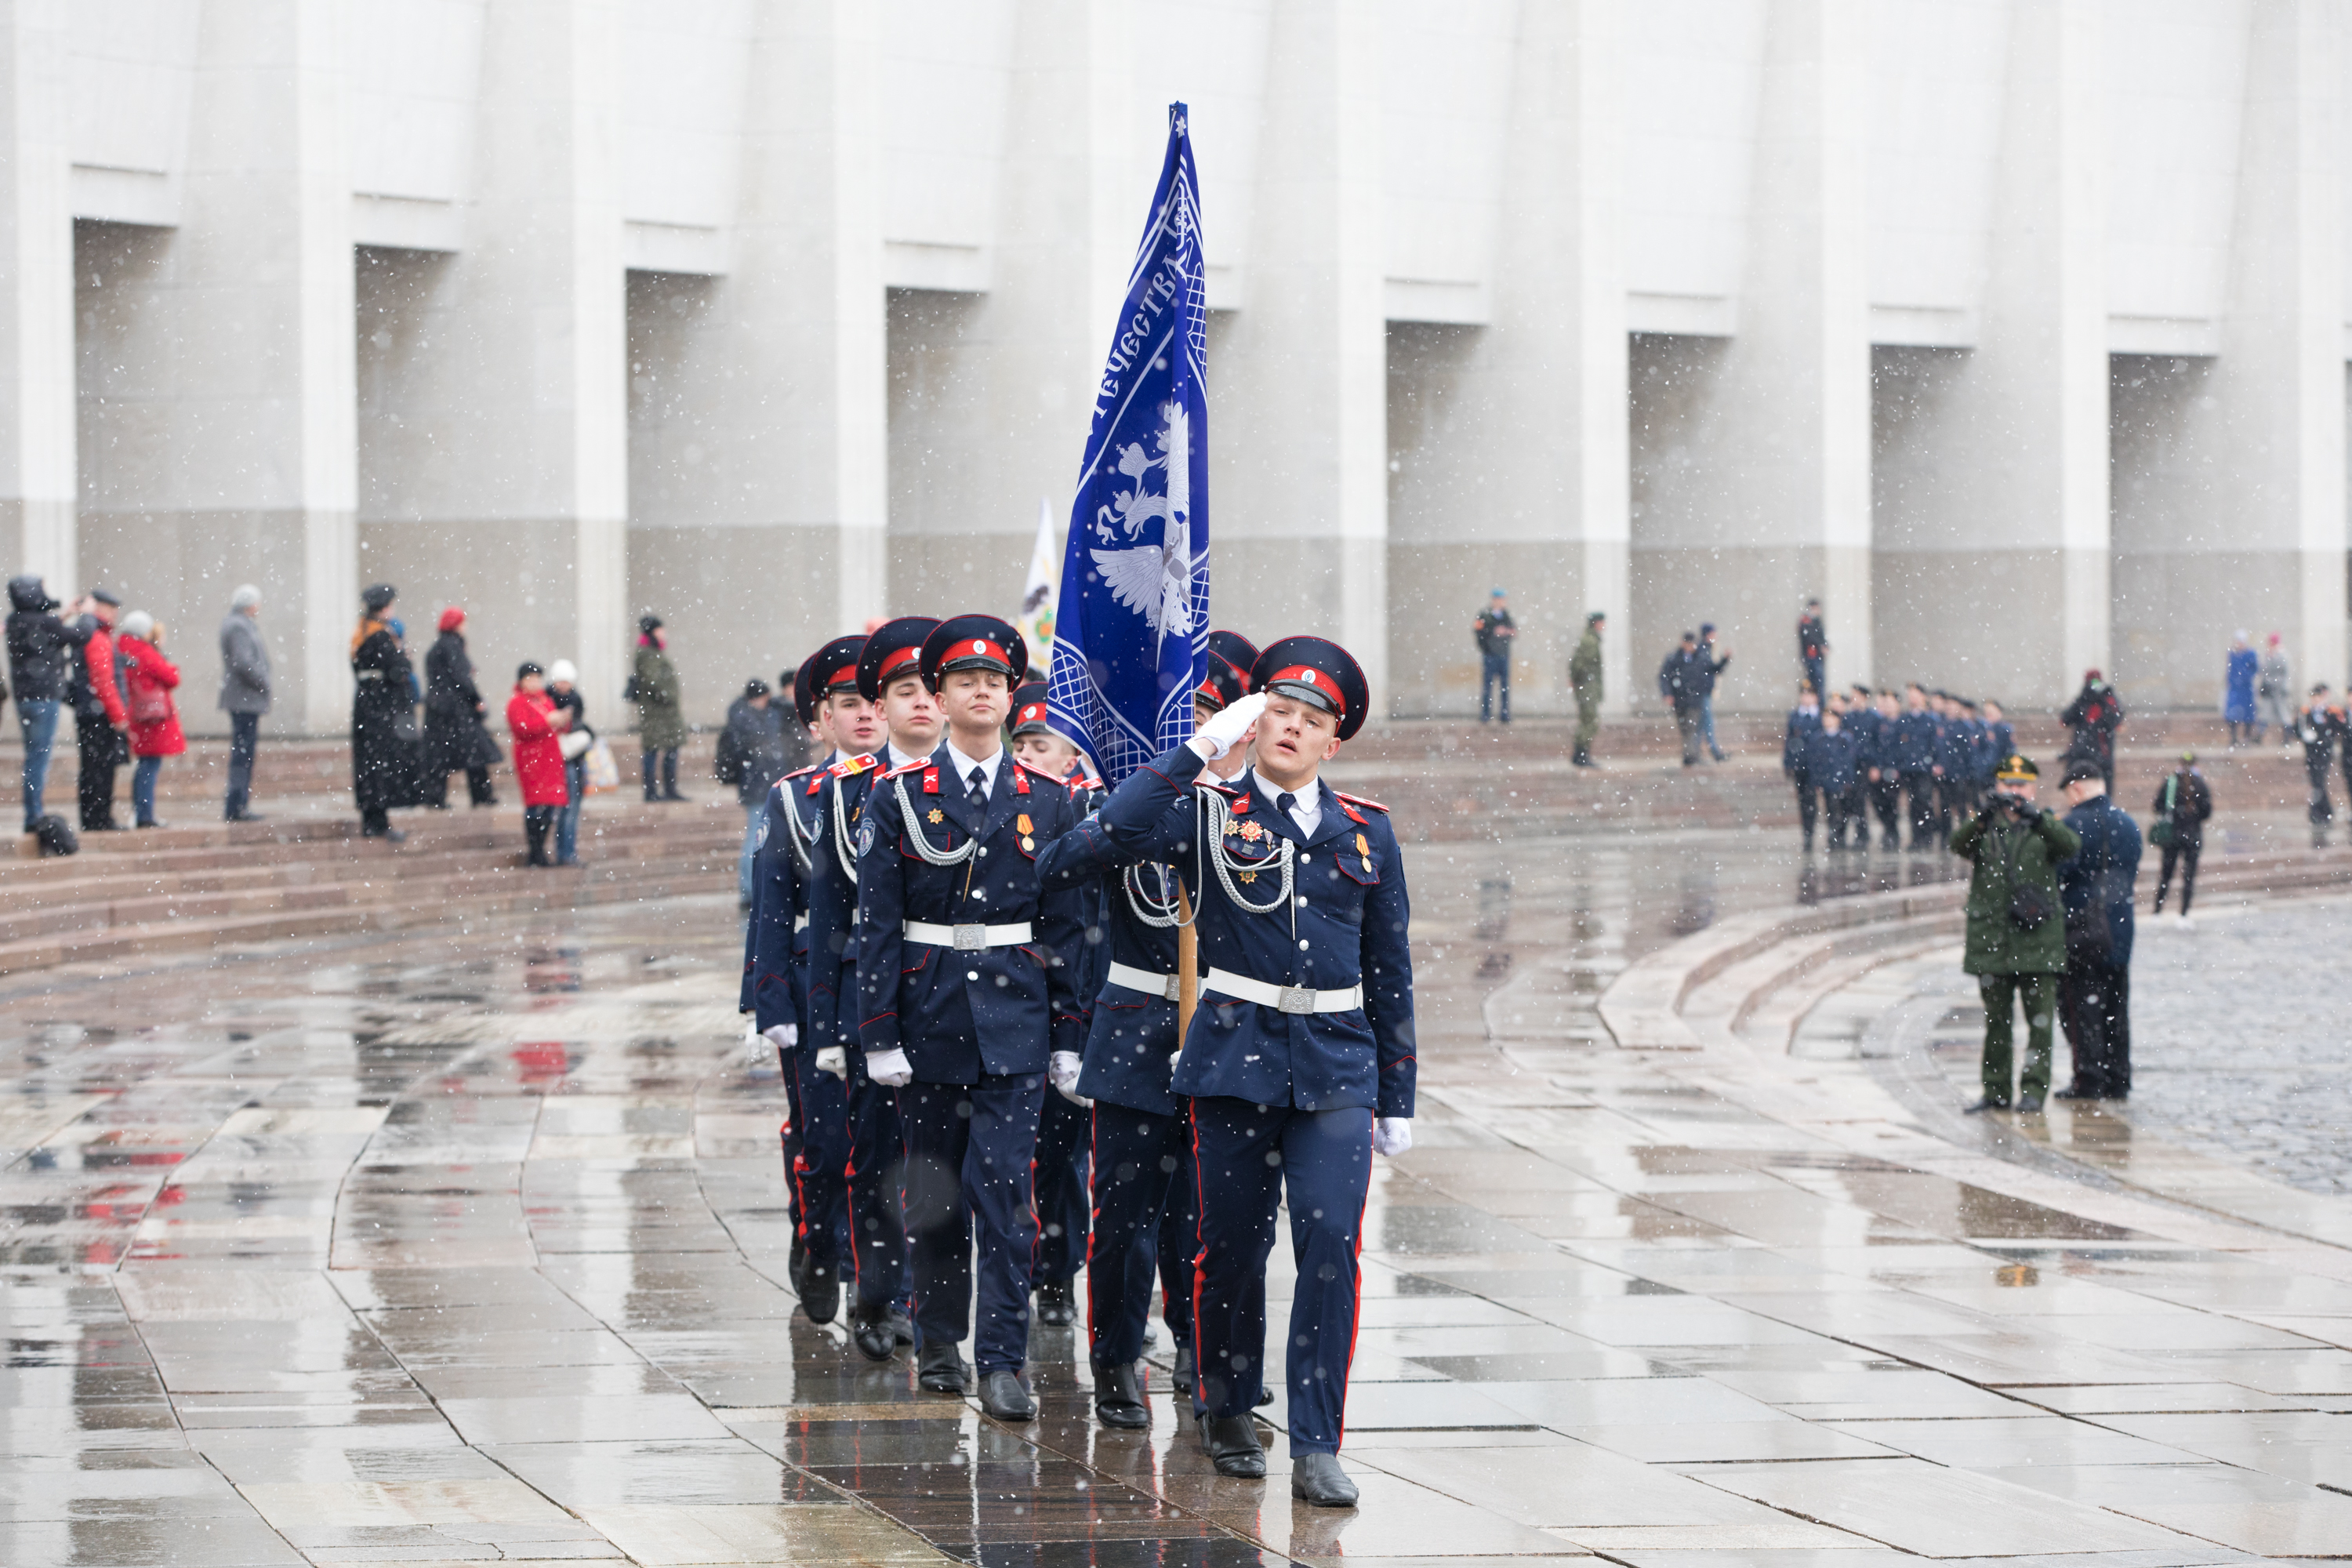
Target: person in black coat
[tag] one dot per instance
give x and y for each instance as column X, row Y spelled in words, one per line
column 1796, row 756
column 1832, row 762
column 383, row 755
column 2317, row 727
column 455, row 739
column 2093, row 717
column 2182, row 804
column 40, row 663
column 2095, row 884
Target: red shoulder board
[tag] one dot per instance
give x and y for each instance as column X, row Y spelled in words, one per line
column 906, row 768
column 1019, row 779
column 931, row 779
column 1348, row 802
column 1239, row 797
column 796, row 773
column 1088, row 781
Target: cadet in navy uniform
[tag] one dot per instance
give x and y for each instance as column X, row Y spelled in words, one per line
column 776, row 979
column 1299, row 1061
column 1141, row 1129
column 1063, row 1145
column 964, row 981
column 892, row 693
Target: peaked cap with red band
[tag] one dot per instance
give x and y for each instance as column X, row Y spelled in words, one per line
column 896, row 648
column 1315, row 671
column 1225, row 669
column 830, row 668
column 1029, row 711
column 974, row 642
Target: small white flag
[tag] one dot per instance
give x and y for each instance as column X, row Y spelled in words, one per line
column 1035, row 621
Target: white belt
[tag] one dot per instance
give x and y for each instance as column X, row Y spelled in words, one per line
column 800, row 923
column 1283, row 998
column 1150, row 982
column 967, row 937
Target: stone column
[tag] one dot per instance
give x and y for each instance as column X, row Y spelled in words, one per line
column 773, row 483
column 2246, row 528
column 1770, row 503
column 1993, row 479
column 1517, row 477
column 497, row 453
column 1298, row 412
column 1010, row 373
column 220, row 436
column 36, row 297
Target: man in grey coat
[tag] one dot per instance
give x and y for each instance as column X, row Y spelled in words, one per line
column 244, row 695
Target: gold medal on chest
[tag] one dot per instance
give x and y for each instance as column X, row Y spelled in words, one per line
column 936, row 815
column 1028, row 847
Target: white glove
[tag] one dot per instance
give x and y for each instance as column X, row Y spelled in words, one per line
column 1225, row 731
column 1392, row 1134
column 890, row 1068
column 835, row 1061
column 783, row 1036
column 1063, row 1069
column 1173, row 1057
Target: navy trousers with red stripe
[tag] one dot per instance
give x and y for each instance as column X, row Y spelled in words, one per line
column 1249, row 1158
column 1060, row 1190
column 969, row 1149
column 1142, row 1216
column 877, row 1199
column 818, row 1167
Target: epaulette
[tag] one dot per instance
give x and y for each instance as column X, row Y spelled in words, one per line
column 796, row 773
column 849, row 766
column 1348, row 802
column 918, row 765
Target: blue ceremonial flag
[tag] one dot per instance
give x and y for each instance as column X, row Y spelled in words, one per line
column 1134, row 610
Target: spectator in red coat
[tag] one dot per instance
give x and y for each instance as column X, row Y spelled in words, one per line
column 148, row 679
column 537, row 726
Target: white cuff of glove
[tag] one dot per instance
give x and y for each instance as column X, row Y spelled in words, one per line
column 1392, row 1134
column 1173, row 1057
column 1062, row 1068
column 890, row 1068
column 783, row 1036
column 1226, row 729
column 835, row 1061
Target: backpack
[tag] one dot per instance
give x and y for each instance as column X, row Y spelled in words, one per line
column 56, row 835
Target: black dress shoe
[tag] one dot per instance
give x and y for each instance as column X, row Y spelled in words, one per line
column 942, row 1369
column 2029, row 1104
column 1231, row 1441
column 1317, row 1480
column 820, row 1292
column 902, row 1328
column 1119, row 1396
column 1004, row 1396
column 870, row 1327
column 1056, row 1304
column 1984, row 1105
column 1182, row 1378
column 2072, row 1093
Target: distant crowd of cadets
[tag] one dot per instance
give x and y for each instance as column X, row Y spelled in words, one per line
column 1928, row 758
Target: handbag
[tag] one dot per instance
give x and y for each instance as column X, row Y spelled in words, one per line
column 149, row 704
column 571, row 742
column 602, row 772
column 2163, row 833
column 2029, row 906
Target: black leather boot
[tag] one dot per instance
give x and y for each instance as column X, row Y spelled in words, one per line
column 1004, row 1396
column 1056, row 1304
column 870, row 1327
column 942, row 1369
column 1317, row 1479
column 1119, row 1396
column 1231, row 1441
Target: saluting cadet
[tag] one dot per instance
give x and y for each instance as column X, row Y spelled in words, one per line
column 1299, row 1061
column 776, row 970
column 1062, row 1143
column 964, row 980
column 888, row 686
column 1142, row 1130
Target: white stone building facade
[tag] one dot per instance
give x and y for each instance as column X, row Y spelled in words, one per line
column 2015, row 329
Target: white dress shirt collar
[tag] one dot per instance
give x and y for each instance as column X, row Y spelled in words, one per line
column 963, row 766
column 1307, row 811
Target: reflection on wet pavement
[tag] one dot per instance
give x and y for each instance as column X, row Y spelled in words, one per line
column 408, row 1252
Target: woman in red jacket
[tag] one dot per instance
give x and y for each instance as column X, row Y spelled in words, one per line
column 148, row 679
column 538, row 725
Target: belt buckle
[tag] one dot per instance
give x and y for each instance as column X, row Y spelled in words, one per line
column 1296, row 999
column 1172, row 989
column 971, row 938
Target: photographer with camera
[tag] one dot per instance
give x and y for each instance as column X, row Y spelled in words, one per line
column 2016, row 927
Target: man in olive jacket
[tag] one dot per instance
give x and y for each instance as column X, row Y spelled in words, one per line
column 2017, row 928
column 1584, row 676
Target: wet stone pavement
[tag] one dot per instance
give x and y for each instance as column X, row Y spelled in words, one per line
column 415, row 1251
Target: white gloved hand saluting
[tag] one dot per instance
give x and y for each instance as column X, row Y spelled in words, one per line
column 1063, row 1069
column 783, row 1036
column 1392, row 1134
column 1228, row 728
column 890, row 1068
column 835, row 1061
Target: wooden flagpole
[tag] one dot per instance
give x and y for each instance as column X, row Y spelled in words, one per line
column 1188, row 965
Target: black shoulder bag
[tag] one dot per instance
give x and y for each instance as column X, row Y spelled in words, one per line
column 2028, row 907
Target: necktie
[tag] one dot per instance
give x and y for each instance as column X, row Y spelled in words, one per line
column 978, row 793
column 1287, row 804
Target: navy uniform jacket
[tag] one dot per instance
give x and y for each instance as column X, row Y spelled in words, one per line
column 1131, row 1034
column 1348, row 925
column 2097, row 880
column 1915, row 740
column 775, row 939
column 1802, row 725
column 836, row 797
column 2004, row 742
column 961, row 1016
column 1831, row 759
column 1869, row 732
column 1952, row 750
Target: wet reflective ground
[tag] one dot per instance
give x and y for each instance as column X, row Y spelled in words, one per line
column 428, row 1252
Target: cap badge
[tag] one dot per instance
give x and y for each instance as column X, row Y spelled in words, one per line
column 978, row 645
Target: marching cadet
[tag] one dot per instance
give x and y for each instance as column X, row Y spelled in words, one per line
column 1062, row 1155
column 965, row 983
column 1142, row 1128
column 1299, row 1061
column 889, row 687
column 776, row 971
column 1885, row 766
column 1914, row 760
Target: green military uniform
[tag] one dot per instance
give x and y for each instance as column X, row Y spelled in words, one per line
column 2008, row 961
column 661, row 722
column 1584, row 676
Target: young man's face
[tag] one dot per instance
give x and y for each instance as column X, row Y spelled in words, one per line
column 853, row 724
column 1914, row 698
column 912, row 715
column 1047, row 752
column 1993, row 712
column 1829, row 723
column 1295, row 738
column 975, row 700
